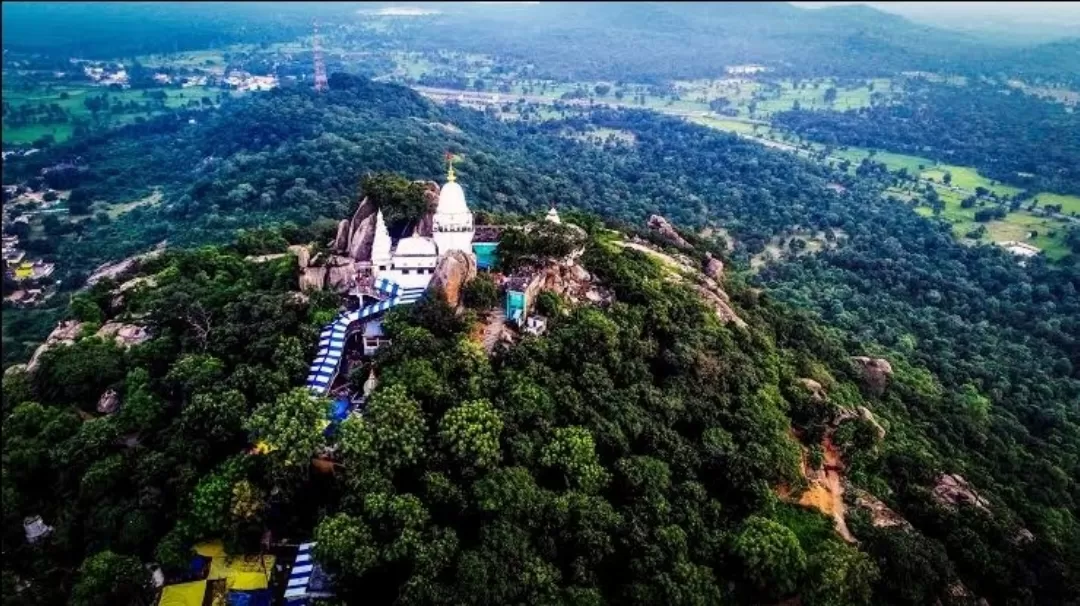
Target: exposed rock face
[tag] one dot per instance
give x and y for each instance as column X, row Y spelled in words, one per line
column 860, row 412
column 125, row 335
column 64, row 334
column 123, row 268
column 662, row 227
column 953, row 490
column 109, row 402
column 453, row 271
column 431, row 196
column 714, row 268
column 340, row 273
column 303, row 255
column 312, row 278
column 881, row 515
column 721, row 304
column 875, row 372
column 341, row 241
column 354, row 236
column 817, row 392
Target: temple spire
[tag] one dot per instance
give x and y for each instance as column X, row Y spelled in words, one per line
column 450, row 167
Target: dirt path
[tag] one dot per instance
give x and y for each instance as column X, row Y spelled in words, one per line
column 493, row 328
column 826, row 490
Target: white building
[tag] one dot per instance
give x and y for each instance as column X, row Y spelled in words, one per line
column 411, row 263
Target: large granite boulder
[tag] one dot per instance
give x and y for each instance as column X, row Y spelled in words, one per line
column 952, row 490
column 875, row 372
column 661, row 226
column 340, row 274
column 341, row 241
column 109, row 402
column 453, row 271
column 363, row 236
column 714, row 268
column 125, row 335
column 65, row 333
column 312, row 278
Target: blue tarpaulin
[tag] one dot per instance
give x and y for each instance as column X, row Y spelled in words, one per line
column 249, row 598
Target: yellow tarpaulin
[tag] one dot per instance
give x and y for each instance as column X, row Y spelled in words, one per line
column 183, row 594
column 242, row 573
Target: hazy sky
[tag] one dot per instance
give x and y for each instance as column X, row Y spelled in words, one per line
column 1054, row 19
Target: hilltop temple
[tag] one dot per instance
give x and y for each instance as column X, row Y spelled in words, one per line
column 412, row 261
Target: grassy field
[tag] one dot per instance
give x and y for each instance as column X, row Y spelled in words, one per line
column 1045, row 233
column 967, row 178
column 1069, row 204
column 72, row 100
column 735, row 126
column 191, row 60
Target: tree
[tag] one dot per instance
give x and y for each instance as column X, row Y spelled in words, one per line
column 292, row 428
column 344, row 544
column 389, row 436
column 571, row 451
column 839, row 575
column 107, row 579
column 947, row 178
column 470, row 431
column 770, row 555
column 602, row 89
column 399, row 198
column 481, row 293
column 830, row 95
column 216, row 416
column 914, row 569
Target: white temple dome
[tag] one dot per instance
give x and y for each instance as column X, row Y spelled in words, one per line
column 452, row 200
column 416, row 246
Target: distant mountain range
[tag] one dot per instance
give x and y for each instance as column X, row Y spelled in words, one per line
column 646, row 40
column 677, row 40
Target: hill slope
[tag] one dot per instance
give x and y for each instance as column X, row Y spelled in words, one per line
column 984, row 352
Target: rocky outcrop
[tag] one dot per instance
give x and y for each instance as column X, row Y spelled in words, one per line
column 661, row 226
column 431, row 197
column 817, row 392
column 340, row 273
column 714, row 268
column 860, row 412
column 109, row 402
column 881, row 516
column 124, row 268
column 952, row 490
column 361, row 239
column 453, row 271
column 718, row 300
column 341, row 240
column 65, row 333
column 875, row 372
column 125, row 335
column 355, row 235
column 312, row 278
column 303, row 255
column 1023, row 536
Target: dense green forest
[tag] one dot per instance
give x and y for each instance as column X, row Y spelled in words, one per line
column 1006, row 134
column 632, row 469
column 104, row 30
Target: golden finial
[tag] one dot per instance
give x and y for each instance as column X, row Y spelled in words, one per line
column 450, row 164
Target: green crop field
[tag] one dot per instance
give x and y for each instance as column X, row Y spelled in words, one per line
column 72, row 99
column 1046, row 233
column 967, row 178
column 1069, row 204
